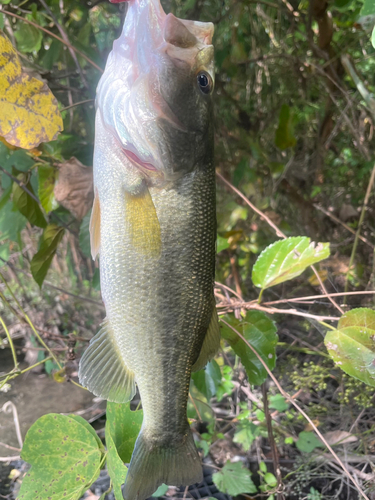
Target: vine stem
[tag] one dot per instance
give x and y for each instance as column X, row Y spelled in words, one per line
column 362, row 216
column 299, row 409
column 10, row 340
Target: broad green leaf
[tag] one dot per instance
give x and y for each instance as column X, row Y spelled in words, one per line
column 124, row 426
column 260, row 332
column 84, row 235
column 46, row 183
column 64, row 458
column 361, row 316
column 29, row 113
column 116, row 469
column 368, row 8
column 245, row 434
column 207, row 381
column 40, row 263
column 352, row 348
column 26, row 203
column 234, row 479
column 11, row 222
column 307, row 442
column 373, row 37
column 90, row 428
column 28, row 38
column 284, row 137
column 221, row 244
column 270, row 479
column 161, row 491
column 199, row 408
column 286, row 259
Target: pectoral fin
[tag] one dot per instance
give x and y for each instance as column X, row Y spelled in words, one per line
column 103, row 371
column 211, row 343
column 95, row 227
column 142, row 222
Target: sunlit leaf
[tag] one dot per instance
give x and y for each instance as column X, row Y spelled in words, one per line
column 352, row 345
column 116, row 469
column 41, row 261
column 46, row 178
column 234, row 479
column 260, row 332
column 307, row 442
column 64, row 457
column 245, row 434
column 286, row 259
column 28, row 111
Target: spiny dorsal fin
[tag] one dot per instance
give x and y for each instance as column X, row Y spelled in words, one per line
column 142, row 223
column 211, row 343
column 95, row 227
column 103, row 371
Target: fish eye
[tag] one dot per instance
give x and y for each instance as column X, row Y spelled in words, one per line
column 204, row 82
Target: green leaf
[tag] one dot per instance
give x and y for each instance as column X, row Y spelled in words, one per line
column 246, row 433
column 286, row 259
column 278, row 402
column 260, row 332
column 307, row 442
column 352, row 345
column 208, row 380
column 84, row 235
column 91, row 429
column 368, row 8
column 284, row 137
column 124, row 426
column 40, row 263
column 28, row 38
column 270, row 479
column 11, row 222
column 26, row 203
column 116, row 469
column 46, row 184
column 96, row 280
column 373, row 37
column 64, row 458
column 234, row 479
column 161, row 491
column 221, row 244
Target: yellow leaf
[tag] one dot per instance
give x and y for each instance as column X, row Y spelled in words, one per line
column 28, row 110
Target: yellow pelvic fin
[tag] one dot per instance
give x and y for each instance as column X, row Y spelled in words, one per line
column 211, row 343
column 102, row 369
column 95, row 227
column 142, row 222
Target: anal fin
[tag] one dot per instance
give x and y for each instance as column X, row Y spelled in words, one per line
column 95, row 227
column 211, row 343
column 142, row 221
column 103, row 371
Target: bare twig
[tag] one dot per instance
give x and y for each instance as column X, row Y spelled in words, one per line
column 9, row 407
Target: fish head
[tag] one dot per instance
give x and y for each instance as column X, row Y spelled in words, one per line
column 155, row 95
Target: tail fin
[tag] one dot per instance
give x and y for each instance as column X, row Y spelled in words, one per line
column 152, row 465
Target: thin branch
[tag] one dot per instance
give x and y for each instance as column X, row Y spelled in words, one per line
column 77, row 104
column 299, row 409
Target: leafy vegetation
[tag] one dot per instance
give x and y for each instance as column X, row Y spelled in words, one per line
column 295, row 161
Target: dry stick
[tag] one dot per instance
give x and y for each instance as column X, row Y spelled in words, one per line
column 355, row 244
column 348, row 228
column 312, row 297
column 11, row 407
column 279, row 233
column 290, row 399
column 54, row 36
column 78, row 104
column 10, row 343
column 271, row 439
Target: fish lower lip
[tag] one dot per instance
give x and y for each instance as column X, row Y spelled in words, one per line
column 138, row 162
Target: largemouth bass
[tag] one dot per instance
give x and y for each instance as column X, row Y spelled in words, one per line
column 154, row 226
